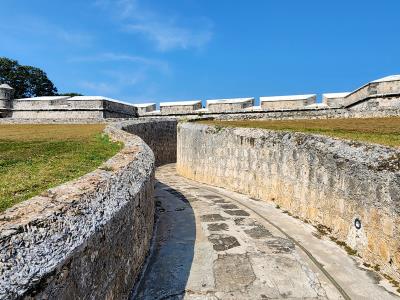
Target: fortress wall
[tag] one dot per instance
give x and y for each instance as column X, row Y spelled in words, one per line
column 374, row 88
column 159, row 134
column 388, row 102
column 285, row 114
column 286, row 104
column 57, row 114
column 86, row 239
column 71, row 109
column 31, row 104
column 319, row 179
column 180, row 108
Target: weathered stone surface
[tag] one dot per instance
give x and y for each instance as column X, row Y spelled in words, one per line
column 180, row 106
column 287, row 102
column 86, row 239
column 221, row 105
column 64, row 107
column 185, row 265
column 159, row 134
column 324, row 180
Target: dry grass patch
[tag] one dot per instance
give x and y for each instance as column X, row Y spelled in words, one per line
column 34, row 158
column 385, row 131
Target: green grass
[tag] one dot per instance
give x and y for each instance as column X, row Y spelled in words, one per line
column 34, row 158
column 385, row 131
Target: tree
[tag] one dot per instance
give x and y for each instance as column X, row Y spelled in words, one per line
column 70, row 94
column 27, row 81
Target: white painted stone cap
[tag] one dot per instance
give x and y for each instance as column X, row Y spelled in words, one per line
column 335, row 95
column 388, row 78
column 288, row 98
column 229, row 101
column 5, row 86
column 142, row 105
column 98, row 98
column 46, row 98
column 180, row 103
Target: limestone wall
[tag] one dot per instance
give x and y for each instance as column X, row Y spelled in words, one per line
column 180, row 108
column 86, row 239
column 323, row 180
column 159, row 134
column 57, row 114
column 66, row 107
column 375, row 103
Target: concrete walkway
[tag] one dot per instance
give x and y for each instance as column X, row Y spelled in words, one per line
column 214, row 244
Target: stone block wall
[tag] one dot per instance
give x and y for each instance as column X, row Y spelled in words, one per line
column 57, row 114
column 145, row 108
column 375, row 103
column 86, row 239
column 375, row 89
column 179, row 109
column 62, row 108
column 319, row 179
column 159, row 134
column 295, row 104
column 217, row 107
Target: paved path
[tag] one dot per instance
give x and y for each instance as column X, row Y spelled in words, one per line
column 214, row 244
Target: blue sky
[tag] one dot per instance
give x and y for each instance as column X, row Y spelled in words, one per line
column 141, row 51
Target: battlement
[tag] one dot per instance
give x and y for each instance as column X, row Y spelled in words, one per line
column 383, row 93
column 380, row 94
column 65, row 107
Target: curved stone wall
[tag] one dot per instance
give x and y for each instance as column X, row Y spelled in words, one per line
column 86, row 239
column 159, row 134
column 326, row 181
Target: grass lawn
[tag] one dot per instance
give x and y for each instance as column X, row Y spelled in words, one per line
column 34, row 158
column 385, row 131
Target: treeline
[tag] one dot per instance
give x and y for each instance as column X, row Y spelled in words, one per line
column 27, row 81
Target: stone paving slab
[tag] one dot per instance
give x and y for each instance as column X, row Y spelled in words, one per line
column 209, row 246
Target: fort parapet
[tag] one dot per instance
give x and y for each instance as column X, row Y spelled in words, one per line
column 180, row 106
column 376, row 96
column 220, row 105
column 80, row 107
column 145, row 108
column 287, row 102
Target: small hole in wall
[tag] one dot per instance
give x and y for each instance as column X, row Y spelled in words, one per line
column 357, row 223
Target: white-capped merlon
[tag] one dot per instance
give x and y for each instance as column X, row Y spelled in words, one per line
column 180, row 106
column 231, row 104
column 287, row 102
column 334, row 99
column 145, row 107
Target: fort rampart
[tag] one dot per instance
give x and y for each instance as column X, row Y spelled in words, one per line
column 87, row 239
column 159, row 134
column 350, row 188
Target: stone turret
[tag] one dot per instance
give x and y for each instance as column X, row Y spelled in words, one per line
column 6, row 97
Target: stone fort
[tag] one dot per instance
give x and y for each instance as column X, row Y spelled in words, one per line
column 379, row 95
column 195, row 211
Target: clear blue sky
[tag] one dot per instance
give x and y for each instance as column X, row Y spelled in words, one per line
column 140, row 51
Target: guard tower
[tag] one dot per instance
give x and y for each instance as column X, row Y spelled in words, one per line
column 6, row 97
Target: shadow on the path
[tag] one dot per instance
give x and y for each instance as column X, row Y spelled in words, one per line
column 170, row 261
